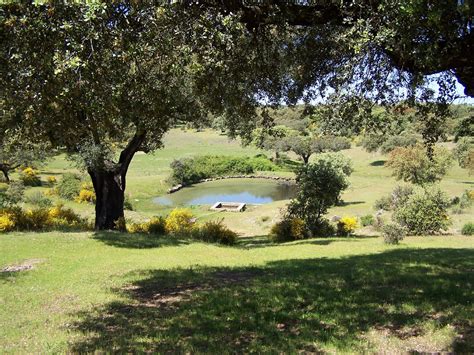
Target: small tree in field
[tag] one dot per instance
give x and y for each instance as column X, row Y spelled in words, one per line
column 306, row 146
column 412, row 164
column 319, row 186
column 17, row 152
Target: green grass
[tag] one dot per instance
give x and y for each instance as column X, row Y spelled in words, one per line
column 119, row 292
column 148, row 174
column 133, row 293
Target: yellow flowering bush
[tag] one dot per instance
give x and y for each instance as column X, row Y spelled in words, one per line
column 156, row 225
column 7, row 223
column 52, row 180
column 179, row 221
column 346, row 226
column 29, row 176
column 40, row 218
column 86, row 194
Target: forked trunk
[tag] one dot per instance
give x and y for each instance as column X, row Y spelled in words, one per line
column 109, row 189
column 109, row 186
column 5, row 173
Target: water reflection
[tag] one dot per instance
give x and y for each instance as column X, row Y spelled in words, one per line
column 250, row 191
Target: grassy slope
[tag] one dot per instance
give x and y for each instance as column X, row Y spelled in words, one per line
column 101, row 291
column 148, row 173
column 131, row 293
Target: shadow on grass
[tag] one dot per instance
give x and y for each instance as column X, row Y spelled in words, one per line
column 135, row 241
column 348, row 203
column 378, row 163
column 288, row 164
column 262, row 241
column 293, row 305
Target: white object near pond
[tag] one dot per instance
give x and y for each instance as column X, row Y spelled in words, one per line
column 228, row 206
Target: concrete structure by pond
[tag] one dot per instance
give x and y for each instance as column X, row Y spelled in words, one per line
column 228, row 206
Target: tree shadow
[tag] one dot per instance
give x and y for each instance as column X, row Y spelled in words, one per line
column 348, row 203
column 262, row 241
column 288, row 164
column 378, row 163
column 289, row 306
column 135, row 241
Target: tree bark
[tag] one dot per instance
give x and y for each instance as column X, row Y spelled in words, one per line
column 109, row 187
column 110, row 192
column 5, row 170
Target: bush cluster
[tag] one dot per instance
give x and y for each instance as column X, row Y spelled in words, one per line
column 393, row 233
column 86, row 194
column 181, row 223
column 367, row 220
column 288, row 229
column 12, row 194
column 40, row 218
column 69, row 186
column 191, row 170
column 39, row 199
column 468, row 229
column 425, row 211
column 155, row 226
column 346, row 226
column 215, row 232
column 30, row 177
column 397, row 198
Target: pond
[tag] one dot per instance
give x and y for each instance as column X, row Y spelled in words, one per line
column 250, row 191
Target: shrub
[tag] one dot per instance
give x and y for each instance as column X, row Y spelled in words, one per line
column 190, row 170
column 398, row 197
column 86, row 194
column 288, row 229
column 12, row 195
column 52, row 180
column 346, row 226
column 156, row 225
column 180, row 222
column 36, row 219
column 367, row 220
column 29, row 176
column 215, row 232
column 39, row 199
column 468, row 229
column 383, row 203
column 59, row 215
column 69, row 186
column 7, row 223
column 424, row 212
column 319, row 186
column 393, row 233
column 322, row 229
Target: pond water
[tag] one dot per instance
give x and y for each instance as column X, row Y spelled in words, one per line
column 250, row 191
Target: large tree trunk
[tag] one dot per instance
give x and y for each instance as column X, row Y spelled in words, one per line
column 109, row 187
column 5, row 170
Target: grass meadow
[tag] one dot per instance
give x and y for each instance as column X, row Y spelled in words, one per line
column 113, row 292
